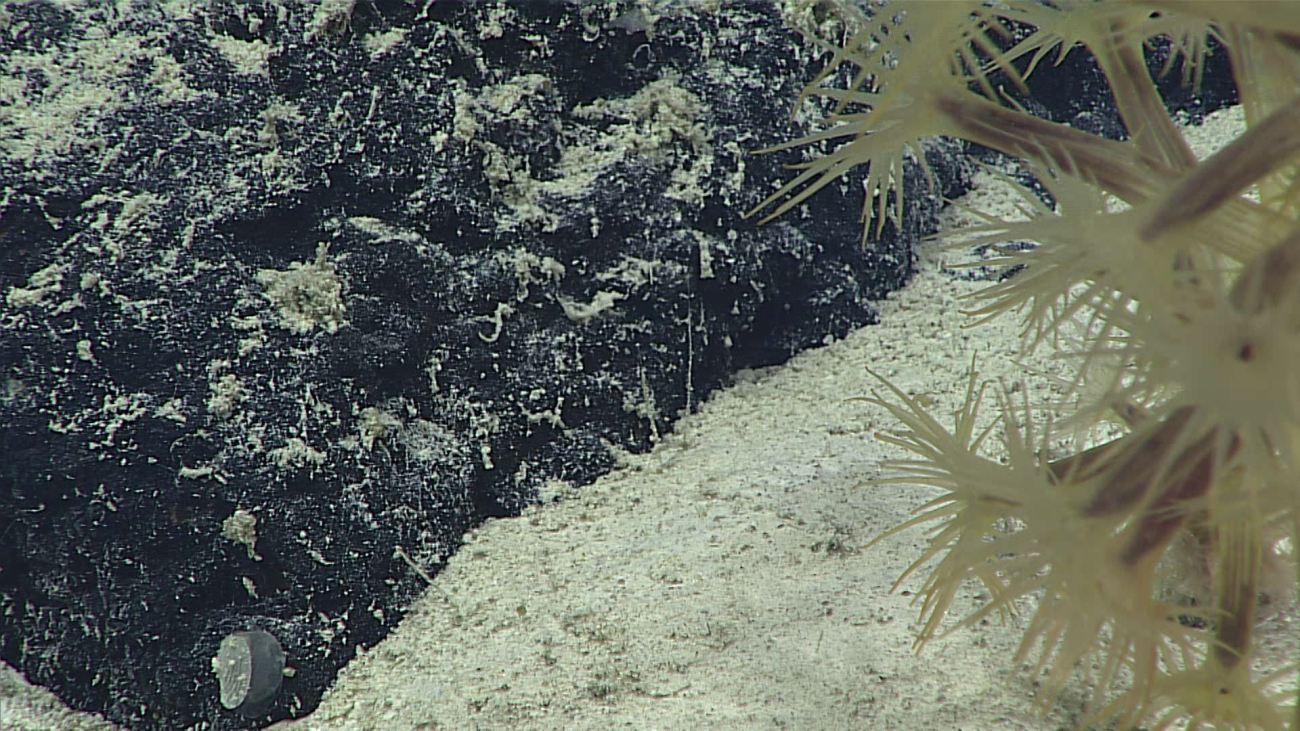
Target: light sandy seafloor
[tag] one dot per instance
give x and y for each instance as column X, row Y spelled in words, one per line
column 719, row 582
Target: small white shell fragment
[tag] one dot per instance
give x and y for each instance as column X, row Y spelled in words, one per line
column 249, row 668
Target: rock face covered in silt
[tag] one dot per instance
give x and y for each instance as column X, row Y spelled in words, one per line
column 294, row 296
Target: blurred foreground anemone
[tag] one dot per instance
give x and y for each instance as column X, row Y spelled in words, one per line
column 1171, row 285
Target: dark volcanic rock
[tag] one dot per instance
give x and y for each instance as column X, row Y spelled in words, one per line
column 294, row 295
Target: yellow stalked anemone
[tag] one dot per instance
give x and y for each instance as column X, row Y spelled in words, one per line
column 1187, row 296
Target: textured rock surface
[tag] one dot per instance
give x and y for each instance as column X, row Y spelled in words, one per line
column 294, row 295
